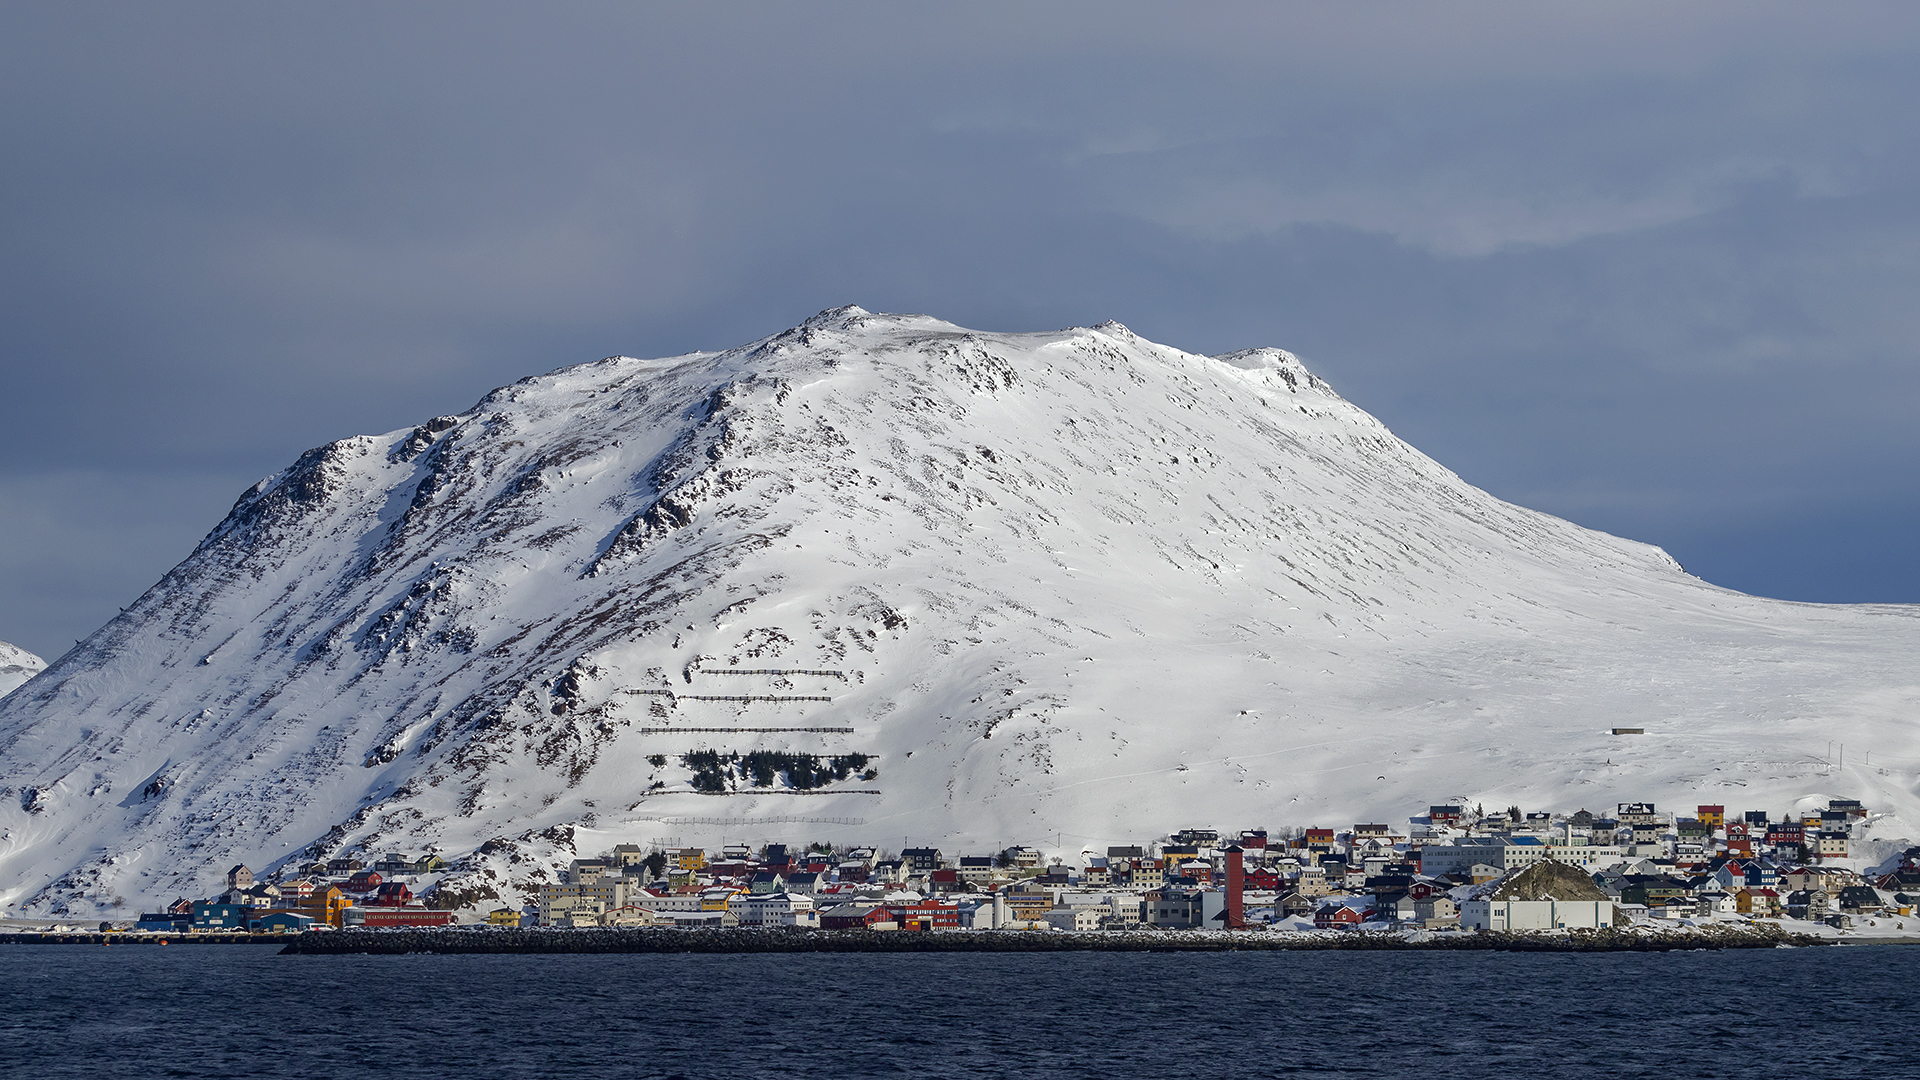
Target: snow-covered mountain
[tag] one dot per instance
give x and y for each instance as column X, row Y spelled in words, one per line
column 17, row 665
column 928, row 584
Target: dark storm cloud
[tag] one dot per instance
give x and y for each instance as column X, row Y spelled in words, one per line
column 1650, row 269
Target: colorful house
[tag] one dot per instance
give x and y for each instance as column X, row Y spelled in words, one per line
column 164, row 922
column 365, row 881
column 325, row 905
column 925, row 915
column 281, row 922
column 221, row 917
column 1337, row 917
column 857, row 917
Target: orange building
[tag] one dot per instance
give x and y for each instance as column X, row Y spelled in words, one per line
column 324, row 905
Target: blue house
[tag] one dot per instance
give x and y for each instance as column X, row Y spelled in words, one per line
column 230, row 917
column 164, row 922
column 282, row 922
column 1761, row 876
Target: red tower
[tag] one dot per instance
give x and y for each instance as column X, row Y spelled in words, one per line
column 1236, row 884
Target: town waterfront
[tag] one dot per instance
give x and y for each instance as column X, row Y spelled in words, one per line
column 212, row 1012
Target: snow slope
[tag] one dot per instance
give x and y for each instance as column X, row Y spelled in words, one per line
column 1071, row 588
column 17, row 665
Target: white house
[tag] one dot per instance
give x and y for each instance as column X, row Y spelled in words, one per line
column 1079, row 918
column 1505, row 852
column 1536, row 914
column 1588, row 857
column 1717, row 903
column 774, row 909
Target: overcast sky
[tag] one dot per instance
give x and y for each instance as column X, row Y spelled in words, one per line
column 1649, row 266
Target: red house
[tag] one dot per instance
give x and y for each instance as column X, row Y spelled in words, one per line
column 364, row 881
column 854, row 917
column 925, row 915
column 392, row 894
column 1337, row 917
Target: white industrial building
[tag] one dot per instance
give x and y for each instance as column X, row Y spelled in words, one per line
column 1536, row 914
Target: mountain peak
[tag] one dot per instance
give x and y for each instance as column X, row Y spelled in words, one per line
column 838, row 318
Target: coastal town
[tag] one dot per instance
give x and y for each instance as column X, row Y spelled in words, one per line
column 1452, row 868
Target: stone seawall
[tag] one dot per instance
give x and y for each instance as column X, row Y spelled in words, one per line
column 476, row 940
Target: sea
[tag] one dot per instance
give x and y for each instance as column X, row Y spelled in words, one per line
column 246, row 1011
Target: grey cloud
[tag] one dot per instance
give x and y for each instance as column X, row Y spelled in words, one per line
column 1644, row 265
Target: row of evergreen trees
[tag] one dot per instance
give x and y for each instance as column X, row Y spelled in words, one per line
column 715, row 771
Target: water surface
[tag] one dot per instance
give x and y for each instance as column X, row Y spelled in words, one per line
column 232, row 1011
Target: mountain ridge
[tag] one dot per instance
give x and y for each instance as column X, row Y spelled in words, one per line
column 1064, row 581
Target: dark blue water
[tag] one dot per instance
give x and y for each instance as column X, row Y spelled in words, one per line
column 234, row 1011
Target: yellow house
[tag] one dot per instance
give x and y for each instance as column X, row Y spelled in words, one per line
column 325, row 904
column 505, row 916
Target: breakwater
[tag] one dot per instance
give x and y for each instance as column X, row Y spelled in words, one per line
column 121, row 937
column 652, row 940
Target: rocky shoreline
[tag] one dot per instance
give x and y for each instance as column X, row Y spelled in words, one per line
column 864, row 941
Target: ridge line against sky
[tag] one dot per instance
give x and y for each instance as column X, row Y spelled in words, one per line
column 1646, row 268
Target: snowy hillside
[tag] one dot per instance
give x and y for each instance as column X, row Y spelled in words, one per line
column 17, row 665
column 962, row 588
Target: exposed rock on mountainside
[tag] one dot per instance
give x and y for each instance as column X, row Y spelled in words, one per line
column 17, row 665
column 881, row 576
column 1546, row 880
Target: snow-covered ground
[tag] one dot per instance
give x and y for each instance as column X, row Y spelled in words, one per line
column 1069, row 589
column 17, row 665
